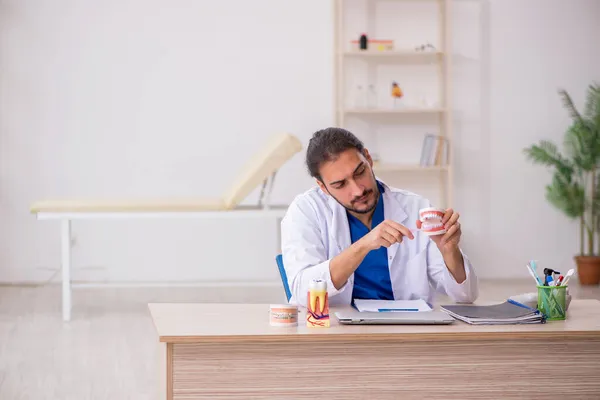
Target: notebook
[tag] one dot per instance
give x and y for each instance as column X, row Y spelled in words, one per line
column 509, row 312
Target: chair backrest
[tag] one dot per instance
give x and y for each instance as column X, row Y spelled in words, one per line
column 279, row 260
column 276, row 152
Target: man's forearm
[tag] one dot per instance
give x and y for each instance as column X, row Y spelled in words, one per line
column 344, row 264
column 455, row 263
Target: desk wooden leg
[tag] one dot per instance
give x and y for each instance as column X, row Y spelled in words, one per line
column 165, row 378
column 66, row 269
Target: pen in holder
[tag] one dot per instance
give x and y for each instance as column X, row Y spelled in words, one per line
column 552, row 302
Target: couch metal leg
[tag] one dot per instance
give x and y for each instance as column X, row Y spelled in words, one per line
column 66, row 269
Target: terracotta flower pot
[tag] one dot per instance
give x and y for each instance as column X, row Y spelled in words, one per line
column 588, row 269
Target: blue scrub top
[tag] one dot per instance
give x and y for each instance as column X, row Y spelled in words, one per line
column 372, row 277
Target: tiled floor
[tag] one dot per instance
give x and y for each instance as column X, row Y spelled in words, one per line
column 108, row 350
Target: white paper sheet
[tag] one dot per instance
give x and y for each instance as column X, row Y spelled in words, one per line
column 391, row 305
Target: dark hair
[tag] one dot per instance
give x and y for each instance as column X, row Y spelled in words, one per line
column 326, row 145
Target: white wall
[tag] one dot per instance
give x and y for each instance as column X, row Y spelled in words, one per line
column 537, row 47
column 132, row 98
column 506, row 101
column 146, row 98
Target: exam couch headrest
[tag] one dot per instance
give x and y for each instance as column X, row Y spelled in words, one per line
column 274, row 154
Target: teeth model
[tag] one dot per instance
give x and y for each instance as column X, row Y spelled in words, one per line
column 317, row 313
column 431, row 221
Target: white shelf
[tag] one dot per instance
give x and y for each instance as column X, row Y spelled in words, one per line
column 400, row 54
column 403, row 110
column 387, row 167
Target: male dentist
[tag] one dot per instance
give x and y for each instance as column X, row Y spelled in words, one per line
column 362, row 236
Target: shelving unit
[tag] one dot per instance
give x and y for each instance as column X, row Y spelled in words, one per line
column 434, row 110
column 413, row 55
column 406, row 110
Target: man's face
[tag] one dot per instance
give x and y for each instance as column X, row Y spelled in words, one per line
column 350, row 181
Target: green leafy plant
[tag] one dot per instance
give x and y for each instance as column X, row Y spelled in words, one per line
column 575, row 185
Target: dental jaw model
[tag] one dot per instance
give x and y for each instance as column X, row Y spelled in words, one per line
column 317, row 313
column 431, row 221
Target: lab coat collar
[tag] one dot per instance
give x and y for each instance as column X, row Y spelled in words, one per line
column 340, row 232
column 393, row 210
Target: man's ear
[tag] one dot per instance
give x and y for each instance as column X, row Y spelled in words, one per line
column 367, row 156
column 322, row 187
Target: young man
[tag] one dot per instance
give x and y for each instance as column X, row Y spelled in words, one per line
column 362, row 237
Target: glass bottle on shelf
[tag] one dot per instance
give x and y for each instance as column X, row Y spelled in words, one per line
column 359, row 97
column 372, row 97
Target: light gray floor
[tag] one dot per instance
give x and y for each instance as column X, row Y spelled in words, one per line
column 108, row 350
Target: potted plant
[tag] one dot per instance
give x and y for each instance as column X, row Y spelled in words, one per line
column 575, row 185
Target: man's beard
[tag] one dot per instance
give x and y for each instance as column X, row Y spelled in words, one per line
column 365, row 211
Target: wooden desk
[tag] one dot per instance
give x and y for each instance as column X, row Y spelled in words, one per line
column 230, row 351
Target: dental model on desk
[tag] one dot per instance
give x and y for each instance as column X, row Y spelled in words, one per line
column 431, row 221
column 317, row 314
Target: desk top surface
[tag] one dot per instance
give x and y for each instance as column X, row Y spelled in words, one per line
column 205, row 322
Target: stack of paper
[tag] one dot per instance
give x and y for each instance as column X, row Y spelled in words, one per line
column 391, row 305
column 497, row 314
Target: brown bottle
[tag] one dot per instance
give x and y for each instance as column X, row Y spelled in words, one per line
column 363, row 42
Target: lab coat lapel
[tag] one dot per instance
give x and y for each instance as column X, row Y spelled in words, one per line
column 392, row 210
column 340, row 231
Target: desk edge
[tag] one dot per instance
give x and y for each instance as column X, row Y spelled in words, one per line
column 376, row 337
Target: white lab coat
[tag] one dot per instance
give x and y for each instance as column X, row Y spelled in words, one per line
column 315, row 229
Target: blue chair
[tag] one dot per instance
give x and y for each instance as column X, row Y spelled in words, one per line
column 279, row 260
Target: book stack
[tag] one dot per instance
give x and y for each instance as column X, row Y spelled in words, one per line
column 509, row 312
column 434, row 151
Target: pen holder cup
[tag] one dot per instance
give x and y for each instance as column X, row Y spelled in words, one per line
column 552, row 302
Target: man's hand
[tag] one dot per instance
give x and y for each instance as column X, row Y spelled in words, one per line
column 449, row 241
column 386, row 234
column 448, row 245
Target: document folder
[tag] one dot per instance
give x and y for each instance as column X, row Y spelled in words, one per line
column 509, row 312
